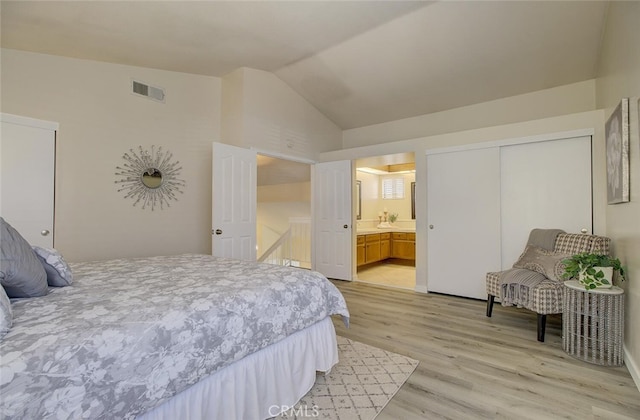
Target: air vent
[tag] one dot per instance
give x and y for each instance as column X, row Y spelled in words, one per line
column 151, row 92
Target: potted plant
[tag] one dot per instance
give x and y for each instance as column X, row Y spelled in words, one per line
column 393, row 217
column 592, row 270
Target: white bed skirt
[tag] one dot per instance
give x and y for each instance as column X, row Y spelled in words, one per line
column 261, row 385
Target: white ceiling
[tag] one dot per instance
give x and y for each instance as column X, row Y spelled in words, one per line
column 358, row 62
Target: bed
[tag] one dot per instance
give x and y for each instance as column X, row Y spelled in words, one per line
column 188, row 336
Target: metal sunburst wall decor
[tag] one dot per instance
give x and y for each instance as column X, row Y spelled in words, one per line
column 150, row 178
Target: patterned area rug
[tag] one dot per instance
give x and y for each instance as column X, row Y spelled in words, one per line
column 358, row 387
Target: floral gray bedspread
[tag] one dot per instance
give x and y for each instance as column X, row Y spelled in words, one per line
column 131, row 333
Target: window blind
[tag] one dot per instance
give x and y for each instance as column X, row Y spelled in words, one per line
column 392, row 188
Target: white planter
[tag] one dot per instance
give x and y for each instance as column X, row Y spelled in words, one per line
column 601, row 283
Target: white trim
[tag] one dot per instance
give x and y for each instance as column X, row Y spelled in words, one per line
column 516, row 140
column 421, row 289
column 30, row 122
column 389, row 286
column 631, row 367
column 282, row 156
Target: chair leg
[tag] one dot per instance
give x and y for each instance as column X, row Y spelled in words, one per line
column 542, row 323
column 490, row 299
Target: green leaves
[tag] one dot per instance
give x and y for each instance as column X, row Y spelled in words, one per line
column 585, row 266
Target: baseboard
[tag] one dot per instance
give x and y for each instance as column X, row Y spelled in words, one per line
column 632, row 367
column 421, row 289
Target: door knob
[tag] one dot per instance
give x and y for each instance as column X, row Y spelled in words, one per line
column 44, row 232
column 583, row 230
column 217, row 231
column 345, row 226
column 430, row 226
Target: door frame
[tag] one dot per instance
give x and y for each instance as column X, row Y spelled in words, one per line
column 298, row 160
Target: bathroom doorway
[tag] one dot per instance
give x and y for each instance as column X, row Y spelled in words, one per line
column 385, row 225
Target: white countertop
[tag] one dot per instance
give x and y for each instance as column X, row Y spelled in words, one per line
column 365, row 231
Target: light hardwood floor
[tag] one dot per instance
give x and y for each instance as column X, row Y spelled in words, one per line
column 474, row 367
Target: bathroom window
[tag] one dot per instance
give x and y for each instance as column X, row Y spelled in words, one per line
column 392, row 188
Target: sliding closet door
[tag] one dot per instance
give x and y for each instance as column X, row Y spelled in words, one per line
column 544, row 185
column 463, row 193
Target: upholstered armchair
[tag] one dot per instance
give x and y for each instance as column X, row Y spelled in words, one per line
column 535, row 282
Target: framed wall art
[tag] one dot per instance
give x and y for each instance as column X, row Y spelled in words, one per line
column 617, row 144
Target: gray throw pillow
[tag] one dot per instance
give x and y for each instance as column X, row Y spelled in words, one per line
column 547, row 263
column 21, row 273
column 57, row 269
column 6, row 316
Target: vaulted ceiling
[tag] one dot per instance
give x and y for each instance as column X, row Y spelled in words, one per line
column 358, row 62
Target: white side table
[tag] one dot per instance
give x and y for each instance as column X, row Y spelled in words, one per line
column 593, row 323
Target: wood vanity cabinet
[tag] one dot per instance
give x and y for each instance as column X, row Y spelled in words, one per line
column 385, row 245
column 361, row 250
column 372, row 248
column 403, row 245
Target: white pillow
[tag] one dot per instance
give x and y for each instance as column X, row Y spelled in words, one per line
column 6, row 316
column 57, row 269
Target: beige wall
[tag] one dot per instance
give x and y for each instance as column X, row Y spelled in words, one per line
column 232, row 122
column 372, row 202
column 99, row 121
column 569, row 99
column 276, row 204
column 262, row 112
column 618, row 77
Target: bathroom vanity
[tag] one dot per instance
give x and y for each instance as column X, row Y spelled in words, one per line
column 380, row 244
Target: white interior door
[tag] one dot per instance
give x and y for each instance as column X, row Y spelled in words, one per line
column 331, row 211
column 463, row 236
column 27, row 172
column 544, row 185
column 234, row 202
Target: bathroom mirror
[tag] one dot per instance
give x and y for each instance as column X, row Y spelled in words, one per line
column 358, row 200
column 413, row 200
column 152, row 178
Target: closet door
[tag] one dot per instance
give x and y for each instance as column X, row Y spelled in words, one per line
column 463, row 236
column 544, row 185
column 27, row 168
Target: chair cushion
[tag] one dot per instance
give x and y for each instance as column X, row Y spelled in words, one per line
column 546, row 297
column 547, row 263
column 492, row 284
column 575, row 243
